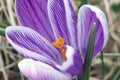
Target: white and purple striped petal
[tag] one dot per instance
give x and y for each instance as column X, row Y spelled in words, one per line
column 63, row 20
column 36, row 70
column 33, row 46
column 26, row 41
column 34, row 14
column 87, row 15
column 74, row 63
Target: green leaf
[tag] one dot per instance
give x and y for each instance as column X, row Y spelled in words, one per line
column 110, row 55
column 84, row 2
column 2, row 32
column 89, row 53
column 116, row 7
column 3, row 25
column 116, row 74
column 103, row 66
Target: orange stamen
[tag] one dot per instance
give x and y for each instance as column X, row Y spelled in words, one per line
column 59, row 43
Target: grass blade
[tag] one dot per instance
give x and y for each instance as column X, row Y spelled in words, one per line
column 88, row 58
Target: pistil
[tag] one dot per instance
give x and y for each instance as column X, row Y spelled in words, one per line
column 59, row 43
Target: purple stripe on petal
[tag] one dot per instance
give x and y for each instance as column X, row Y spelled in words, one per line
column 36, row 70
column 74, row 63
column 63, row 21
column 71, row 23
column 35, row 56
column 27, row 39
column 33, row 14
column 87, row 16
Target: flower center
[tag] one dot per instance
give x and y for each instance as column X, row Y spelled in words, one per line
column 59, row 43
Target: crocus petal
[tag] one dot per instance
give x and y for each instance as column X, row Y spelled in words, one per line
column 74, row 64
column 23, row 38
column 36, row 70
column 63, row 20
column 33, row 14
column 86, row 17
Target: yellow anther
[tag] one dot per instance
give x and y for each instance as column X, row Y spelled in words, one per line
column 59, row 43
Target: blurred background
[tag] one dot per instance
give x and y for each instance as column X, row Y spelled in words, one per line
column 106, row 67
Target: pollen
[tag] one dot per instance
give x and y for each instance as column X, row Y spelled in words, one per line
column 59, row 43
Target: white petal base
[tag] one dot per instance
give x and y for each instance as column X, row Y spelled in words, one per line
column 36, row 70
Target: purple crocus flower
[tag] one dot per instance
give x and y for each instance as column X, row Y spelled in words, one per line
column 53, row 45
